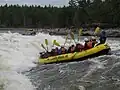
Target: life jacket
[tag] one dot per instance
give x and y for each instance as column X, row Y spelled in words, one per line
column 63, row 50
column 72, row 50
column 86, row 46
column 89, row 44
column 79, row 47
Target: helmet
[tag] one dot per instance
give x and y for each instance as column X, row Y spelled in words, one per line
column 103, row 31
column 86, row 39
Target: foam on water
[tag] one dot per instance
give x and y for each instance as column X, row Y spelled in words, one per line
column 115, row 44
column 18, row 54
column 14, row 59
column 12, row 80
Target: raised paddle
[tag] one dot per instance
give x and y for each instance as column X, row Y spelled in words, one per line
column 80, row 33
column 46, row 42
column 56, row 43
column 53, row 43
column 72, row 36
column 97, row 31
column 66, row 40
column 44, row 47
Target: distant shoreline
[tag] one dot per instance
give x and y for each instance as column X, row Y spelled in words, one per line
column 111, row 32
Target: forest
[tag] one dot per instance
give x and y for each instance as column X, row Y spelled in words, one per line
column 78, row 13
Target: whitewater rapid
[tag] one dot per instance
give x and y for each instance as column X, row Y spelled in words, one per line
column 19, row 54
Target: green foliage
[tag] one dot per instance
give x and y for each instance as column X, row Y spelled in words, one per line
column 78, row 13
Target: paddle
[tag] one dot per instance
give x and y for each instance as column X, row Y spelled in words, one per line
column 80, row 33
column 46, row 42
column 97, row 31
column 66, row 40
column 53, row 43
column 72, row 36
column 44, row 47
column 56, row 43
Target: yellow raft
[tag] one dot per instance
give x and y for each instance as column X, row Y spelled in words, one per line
column 101, row 49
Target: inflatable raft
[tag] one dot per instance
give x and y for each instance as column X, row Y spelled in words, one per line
column 101, row 49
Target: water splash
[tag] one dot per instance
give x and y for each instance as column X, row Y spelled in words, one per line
column 17, row 55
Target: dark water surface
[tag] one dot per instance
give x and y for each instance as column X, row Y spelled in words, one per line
column 17, row 52
column 100, row 73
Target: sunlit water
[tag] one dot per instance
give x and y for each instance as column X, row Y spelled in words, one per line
column 19, row 69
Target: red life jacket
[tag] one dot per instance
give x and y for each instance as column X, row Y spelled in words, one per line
column 89, row 44
column 86, row 46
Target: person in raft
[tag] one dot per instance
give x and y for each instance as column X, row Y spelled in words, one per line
column 103, row 37
column 78, row 48
column 86, row 46
column 94, row 41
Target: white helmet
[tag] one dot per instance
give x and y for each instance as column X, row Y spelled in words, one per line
column 93, row 37
column 86, row 39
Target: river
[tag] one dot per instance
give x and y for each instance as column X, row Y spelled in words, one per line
column 19, row 69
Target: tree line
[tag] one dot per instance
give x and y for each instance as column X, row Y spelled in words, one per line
column 78, row 13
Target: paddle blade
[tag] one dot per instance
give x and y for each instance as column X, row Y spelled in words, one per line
column 80, row 31
column 46, row 41
column 66, row 38
column 97, row 31
column 56, row 43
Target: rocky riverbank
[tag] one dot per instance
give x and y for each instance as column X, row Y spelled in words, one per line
column 110, row 32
